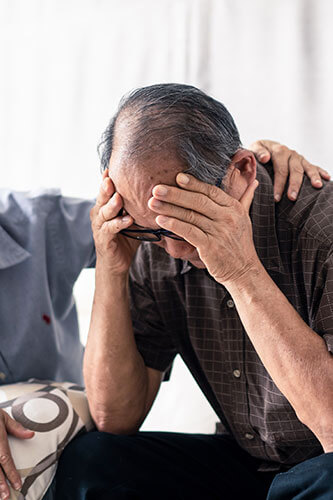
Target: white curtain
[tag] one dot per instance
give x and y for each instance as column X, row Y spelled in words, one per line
column 64, row 64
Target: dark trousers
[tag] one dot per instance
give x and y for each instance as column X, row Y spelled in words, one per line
column 160, row 466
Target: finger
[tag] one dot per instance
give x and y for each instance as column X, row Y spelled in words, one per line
column 281, row 171
column 16, row 429
column 315, row 173
column 105, row 192
column 296, row 175
column 262, row 150
column 4, row 489
column 190, row 183
column 188, row 215
column 247, row 197
column 190, row 233
column 165, row 195
column 111, row 209
column 324, row 174
column 6, row 461
column 113, row 226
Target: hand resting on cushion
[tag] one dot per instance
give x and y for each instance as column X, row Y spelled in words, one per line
column 38, row 419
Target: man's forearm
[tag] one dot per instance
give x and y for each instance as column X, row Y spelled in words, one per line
column 115, row 375
column 294, row 355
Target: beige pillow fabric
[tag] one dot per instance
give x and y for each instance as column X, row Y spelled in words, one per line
column 56, row 412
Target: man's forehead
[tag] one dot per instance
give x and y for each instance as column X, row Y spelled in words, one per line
column 134, row 180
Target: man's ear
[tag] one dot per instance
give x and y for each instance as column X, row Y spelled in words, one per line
column 243, row 170
column 245, row 162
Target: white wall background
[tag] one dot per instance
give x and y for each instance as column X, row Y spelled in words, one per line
column 64, row 64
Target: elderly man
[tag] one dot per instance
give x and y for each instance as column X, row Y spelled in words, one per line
column 240, row 287
column 45, row 241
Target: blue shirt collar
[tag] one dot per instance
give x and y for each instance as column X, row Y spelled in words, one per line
column 11, row 253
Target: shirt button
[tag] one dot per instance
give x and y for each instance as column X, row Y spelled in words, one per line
column 249, row 436
column 230, row 303
column 236, row 373
column 2, row 376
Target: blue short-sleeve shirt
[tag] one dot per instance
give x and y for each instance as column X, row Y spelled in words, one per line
column 45, row 242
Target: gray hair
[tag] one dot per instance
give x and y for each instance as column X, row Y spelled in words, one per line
column 180, row 119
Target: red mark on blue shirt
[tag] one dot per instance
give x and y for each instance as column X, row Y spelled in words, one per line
column 47, row 319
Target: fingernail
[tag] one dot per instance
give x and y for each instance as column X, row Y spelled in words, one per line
column 293, row 195
column 126, row 218
column 183, row 179
column 4, row 495
column 263, row 155
column 17, row 486
column 161, row 190
column 318, row 182
column 277, row 197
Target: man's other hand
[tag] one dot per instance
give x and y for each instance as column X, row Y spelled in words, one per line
column 107, row 220
column 287, row 162
column 8, row 470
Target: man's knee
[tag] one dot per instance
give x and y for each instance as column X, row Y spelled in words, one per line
column 93, row 449
column 95, row 459
column 307, row 480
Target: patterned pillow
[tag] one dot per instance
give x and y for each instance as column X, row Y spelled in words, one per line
column 56, row 412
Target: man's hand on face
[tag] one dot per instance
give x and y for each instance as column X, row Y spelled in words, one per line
column 216, row 224
column 8, row 470
column 115, row 250
column 287, row 162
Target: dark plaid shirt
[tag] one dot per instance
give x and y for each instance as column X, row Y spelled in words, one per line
column 177, row 308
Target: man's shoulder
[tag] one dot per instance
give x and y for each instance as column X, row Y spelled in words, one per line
column 312, row 213
column 23, row 205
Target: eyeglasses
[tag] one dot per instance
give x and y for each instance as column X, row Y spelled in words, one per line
column 137, row 233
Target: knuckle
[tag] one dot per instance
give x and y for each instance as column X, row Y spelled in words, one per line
column 4, row 459
column 282, row 171
column 171, row 224
column 190, row 217
column 214, row 194
column 278, row 148
column 297, row 169
column 202, row 202
column 106, row 229
column 115, row 227
column 191, row 231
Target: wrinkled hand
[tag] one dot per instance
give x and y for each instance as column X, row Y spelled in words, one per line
column 8, row 470
column 217, row 225
column 116, row 251
column 287, row 162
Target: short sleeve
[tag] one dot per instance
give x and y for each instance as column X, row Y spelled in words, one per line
column 153, row 341
column 71, row 235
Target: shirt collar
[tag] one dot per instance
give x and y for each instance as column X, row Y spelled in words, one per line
column 11, row 253
column 262, row 214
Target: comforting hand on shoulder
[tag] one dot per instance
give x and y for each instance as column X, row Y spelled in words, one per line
column 288, row 163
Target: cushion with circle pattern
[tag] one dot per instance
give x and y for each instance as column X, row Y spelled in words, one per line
column 56, row 412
